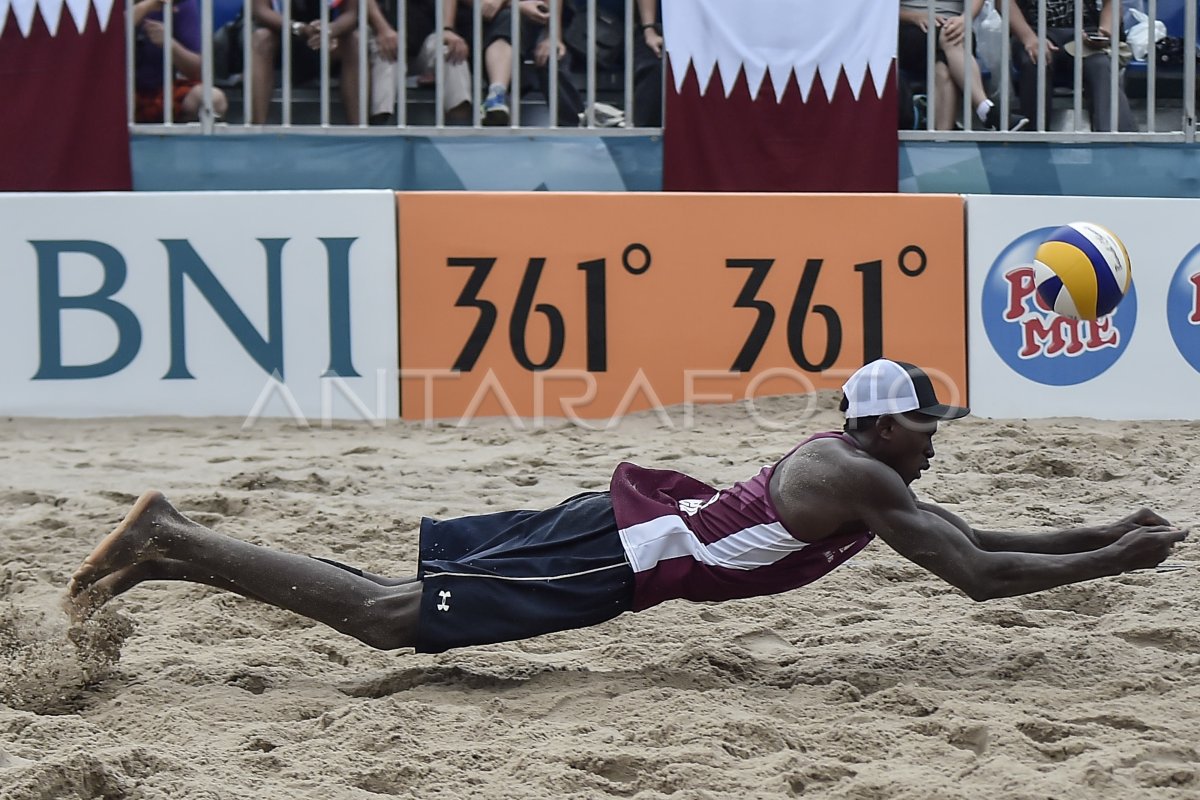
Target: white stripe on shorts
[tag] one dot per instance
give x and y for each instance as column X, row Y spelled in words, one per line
column 532, row 578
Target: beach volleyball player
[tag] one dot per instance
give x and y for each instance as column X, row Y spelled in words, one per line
column 656, row 535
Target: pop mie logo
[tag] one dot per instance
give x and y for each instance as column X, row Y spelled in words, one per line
column 1183, row 308
column 1034, row 341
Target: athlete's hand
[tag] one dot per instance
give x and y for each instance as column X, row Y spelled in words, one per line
column 1148, row 546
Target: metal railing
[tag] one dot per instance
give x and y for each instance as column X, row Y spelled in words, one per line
column 291, row 106
column 1165, row 112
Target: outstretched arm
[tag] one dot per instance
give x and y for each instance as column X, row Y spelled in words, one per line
column 956, row 555
column 1069, row 540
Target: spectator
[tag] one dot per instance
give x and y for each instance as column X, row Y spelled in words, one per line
column 610, row 32
column 420, row 52
column 952, row 68
column 1060, row 29
column 186, row 92
column 647, row 65
column 498, row 53
column 306, row 46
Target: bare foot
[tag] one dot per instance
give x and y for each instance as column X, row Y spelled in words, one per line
column 130, row 543
column 85, row 603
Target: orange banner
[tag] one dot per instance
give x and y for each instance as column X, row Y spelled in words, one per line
column 543, row 305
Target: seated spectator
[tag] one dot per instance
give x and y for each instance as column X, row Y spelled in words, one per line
column 421, row 48
column 952, row 67
column 186, row 94
column 498, row 53
column 306, row 45
column 610, row 51
column 1060, row 29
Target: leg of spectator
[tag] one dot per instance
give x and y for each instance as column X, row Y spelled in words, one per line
column 1096, row 84
column 497, row 62
column 348, row 50
column 965, row 70
column 264, row 44
column 190, row 107
column 458, row 93
column 497, row 68
column 947, row 98
column 220, row 103
column 570, row 103
column 383, row 83
column 456, row 76
column 497, row 65
column 647, row 90
column 1027, row 79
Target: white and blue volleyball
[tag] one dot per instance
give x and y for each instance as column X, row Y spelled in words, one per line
column 1082, row 271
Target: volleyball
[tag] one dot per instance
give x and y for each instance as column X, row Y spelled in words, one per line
column 1082, row 271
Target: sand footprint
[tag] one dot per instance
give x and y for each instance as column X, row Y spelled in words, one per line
column 765, row 643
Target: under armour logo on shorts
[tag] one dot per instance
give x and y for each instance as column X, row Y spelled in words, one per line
column 443, row 605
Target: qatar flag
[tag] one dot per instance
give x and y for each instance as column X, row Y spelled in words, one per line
column 63, row 95
column 781, row 96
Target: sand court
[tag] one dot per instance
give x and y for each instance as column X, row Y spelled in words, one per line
column 878, row 681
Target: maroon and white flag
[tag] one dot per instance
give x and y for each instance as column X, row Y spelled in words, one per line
column 63, row 96
column 781, row 95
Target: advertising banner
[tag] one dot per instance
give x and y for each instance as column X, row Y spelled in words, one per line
column 594, row 305
column 240, row 304
column 1140, row 362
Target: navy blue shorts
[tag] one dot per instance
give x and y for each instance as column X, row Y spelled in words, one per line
column 515, row 574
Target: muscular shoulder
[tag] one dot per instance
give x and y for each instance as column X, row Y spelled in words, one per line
column 829, row 485
column 832, row 463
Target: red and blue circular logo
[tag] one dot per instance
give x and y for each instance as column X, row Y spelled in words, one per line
column 1183, row 308
column 1036, row 342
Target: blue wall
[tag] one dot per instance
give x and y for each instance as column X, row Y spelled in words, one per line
column 624, row 163
column 478, row 163
column 1103, row 170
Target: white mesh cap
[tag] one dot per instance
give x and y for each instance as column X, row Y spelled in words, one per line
column 893, row 387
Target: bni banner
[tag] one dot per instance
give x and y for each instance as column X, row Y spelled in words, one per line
column 235, row 304
column 1140, row 362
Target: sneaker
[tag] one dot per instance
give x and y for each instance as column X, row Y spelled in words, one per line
column 605, row 116
column 1016, row 122
column 495, row 107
